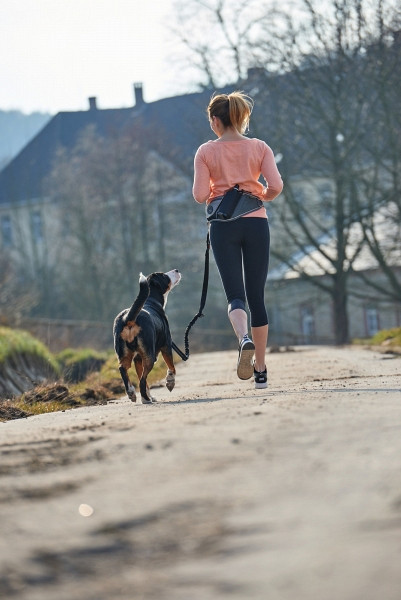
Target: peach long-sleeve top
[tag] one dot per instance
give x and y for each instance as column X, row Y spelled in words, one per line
column 219, row 165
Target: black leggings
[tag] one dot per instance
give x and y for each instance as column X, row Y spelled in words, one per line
column 241, row 251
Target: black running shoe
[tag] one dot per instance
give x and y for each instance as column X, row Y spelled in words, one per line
column 260, row 378
column 245, row 354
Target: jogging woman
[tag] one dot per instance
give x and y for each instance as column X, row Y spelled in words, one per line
column 240, row 246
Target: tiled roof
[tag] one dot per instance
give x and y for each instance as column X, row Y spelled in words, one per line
column 21, row 179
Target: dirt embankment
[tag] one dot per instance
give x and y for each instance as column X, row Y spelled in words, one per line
column 21, row 372
column 217, row 491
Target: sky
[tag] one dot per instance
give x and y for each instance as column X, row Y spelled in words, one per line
column 55, row 54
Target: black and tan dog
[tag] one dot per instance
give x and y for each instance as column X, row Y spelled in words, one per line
column 142, row 331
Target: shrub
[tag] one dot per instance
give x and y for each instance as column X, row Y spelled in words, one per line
column 14, row 342
column 77, row 364
column 390, row 337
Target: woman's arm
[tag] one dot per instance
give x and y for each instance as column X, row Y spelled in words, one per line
column 272, row 176
column 201, row 186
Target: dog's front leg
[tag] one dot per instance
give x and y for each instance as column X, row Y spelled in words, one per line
column 170, row 376
column 170, row 380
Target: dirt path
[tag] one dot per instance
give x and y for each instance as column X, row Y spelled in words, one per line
column 218, row 491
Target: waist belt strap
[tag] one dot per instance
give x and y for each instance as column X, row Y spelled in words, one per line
column 234, row 204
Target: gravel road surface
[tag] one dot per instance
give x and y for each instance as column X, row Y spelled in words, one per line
column 217, row 492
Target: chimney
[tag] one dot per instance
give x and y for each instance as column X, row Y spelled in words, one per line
column 138, row 92
column 92, row 103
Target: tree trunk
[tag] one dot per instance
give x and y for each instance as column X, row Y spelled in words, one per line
column 340, row 316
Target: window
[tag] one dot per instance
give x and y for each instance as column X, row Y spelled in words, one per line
column 6, row 231
column 37, row 226
column 307, row 324
column 372, row 320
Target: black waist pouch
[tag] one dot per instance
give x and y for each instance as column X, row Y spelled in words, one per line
column 234, row 204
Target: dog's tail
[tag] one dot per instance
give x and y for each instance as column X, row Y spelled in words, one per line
column 140, row 300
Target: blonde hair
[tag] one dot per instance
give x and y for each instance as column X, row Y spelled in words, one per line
column 234, row 110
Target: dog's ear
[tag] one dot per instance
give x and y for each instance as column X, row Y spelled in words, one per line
column 154, row 279
column 151, row 279
column 159, row 280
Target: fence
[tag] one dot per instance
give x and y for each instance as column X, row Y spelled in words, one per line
column 58, row 334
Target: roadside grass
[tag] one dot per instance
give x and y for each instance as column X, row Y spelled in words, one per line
column 16, row 342
column 76, row 364
column 23, row 360
column 388, row 339
column 99, row 386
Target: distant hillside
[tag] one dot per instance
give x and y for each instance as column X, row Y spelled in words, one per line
column 16, row 129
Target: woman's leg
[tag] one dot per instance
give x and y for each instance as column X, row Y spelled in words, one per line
column 239, row 322
column 256, row 263
column 225, row 239
column 242, row 247
column 259, row 337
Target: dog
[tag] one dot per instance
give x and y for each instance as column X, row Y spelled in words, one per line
column 142, row 332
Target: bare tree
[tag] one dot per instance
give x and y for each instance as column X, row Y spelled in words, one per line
column 335, row 99
column 117, row 207
column 99, row 189
column 380, row 210
column 220, row 51
column 318, row 98
column 30, row 270
column 18, row 297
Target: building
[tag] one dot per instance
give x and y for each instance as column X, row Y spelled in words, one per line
column 34, row 228
column 302, row 314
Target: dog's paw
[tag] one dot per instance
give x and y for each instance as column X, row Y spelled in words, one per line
column 170, row 381
column 131, row 394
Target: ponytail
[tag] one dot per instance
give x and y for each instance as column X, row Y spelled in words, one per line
column 240, row 108
column 234, row 110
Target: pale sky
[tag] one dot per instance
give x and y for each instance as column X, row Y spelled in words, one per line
column 54, row 54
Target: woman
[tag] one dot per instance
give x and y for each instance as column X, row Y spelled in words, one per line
column 240, row 246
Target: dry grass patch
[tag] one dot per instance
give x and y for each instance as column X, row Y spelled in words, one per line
column 98, row 387
column 386, row 340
